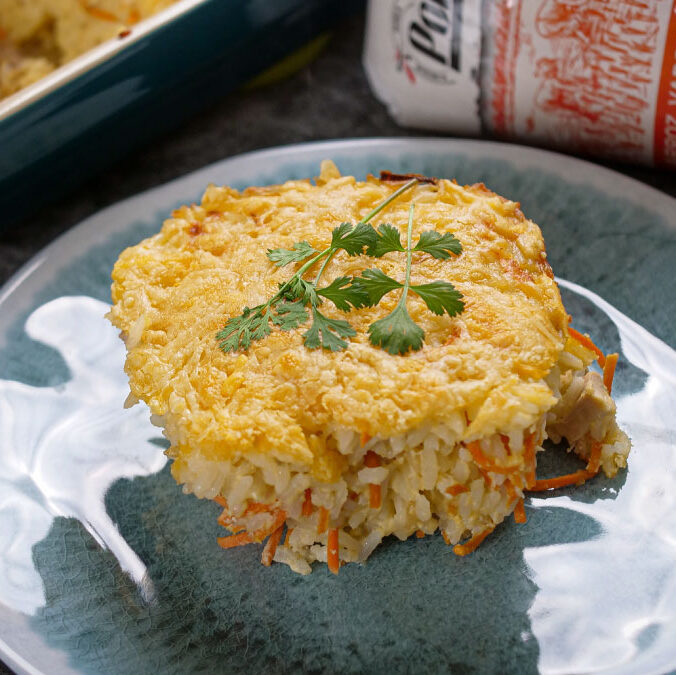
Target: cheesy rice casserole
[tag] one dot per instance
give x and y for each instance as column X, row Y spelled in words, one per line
column 334, row 451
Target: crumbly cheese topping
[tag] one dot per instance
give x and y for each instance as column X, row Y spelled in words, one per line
column 175, row 290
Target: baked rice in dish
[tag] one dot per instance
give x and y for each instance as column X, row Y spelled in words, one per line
column 38, row 36
column 323, row 454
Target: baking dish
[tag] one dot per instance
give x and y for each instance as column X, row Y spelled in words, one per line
column 93, row 110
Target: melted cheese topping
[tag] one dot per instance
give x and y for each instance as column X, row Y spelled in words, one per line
column 175, row 290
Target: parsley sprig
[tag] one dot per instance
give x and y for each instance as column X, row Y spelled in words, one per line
column 397, row 332
column 287, row 308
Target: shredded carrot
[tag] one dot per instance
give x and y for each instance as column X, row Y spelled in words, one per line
column 98, row 13
column 455, row 490
column 332, row 551
column 289, row 530
column 375, row 497
column 235, row 540
column 133, row 17
column 472, row 544
column 529, row 458
column 594, row 462
column 239, row 538
column 371, row 460
column 307, row 504
column 586, row 342
column 484, row 462
column 511, row 491
column 354, row 496
column 419, row 534
column 447, row 539
column 576, row 478
column 226, row 520
column 221, row 501
column 520, row 512
column 364, row 438
column 323, row 521
column 609, row 371
column 505, row 443
column 271, row 546
column 256, row 507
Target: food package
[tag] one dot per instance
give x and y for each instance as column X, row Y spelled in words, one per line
column 588, row 76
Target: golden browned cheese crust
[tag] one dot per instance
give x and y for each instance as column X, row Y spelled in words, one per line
column 175, row 290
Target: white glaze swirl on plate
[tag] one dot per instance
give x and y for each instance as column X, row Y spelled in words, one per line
column 62, row 447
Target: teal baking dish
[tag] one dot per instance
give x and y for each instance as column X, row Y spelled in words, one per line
column 73, row 123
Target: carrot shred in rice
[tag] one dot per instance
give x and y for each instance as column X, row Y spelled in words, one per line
column 133, row 17
column 505, row 443
column 307, row 504
column 520, row 512
column 609, row 371
column 484, row 462
column 594, row 463
column 586, row 342
column 221, row 501
column 455, row 490
column 289, row 530
column 332, row 551
column 575, row 478
column 271, row 546
column 447, row 539
column 471, row 545
column 511, row 491
column 323, row 521
column 256, row 507
column 364, row 438
column 371, row 460
column 375, row 496
column 242, row 538
column 529, row 458
column 419, row 534
column 235, row 540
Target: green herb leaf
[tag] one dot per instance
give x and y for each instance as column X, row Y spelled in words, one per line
column 375, row 283
column 298, row 289
column 440, row 297
column 288, row 307
column 327, row 333
column 388, row 238
column 344, row 296
column 351, row 239
column 290, row 315
column 282, row 256
column 397, row 332
column 239, row 331
column 439, row 246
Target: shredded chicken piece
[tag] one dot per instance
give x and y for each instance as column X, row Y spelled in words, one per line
column 585, row 409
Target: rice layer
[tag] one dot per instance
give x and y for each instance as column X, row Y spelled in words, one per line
column 416, row 483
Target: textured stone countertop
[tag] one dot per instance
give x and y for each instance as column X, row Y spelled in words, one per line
column 328, row 99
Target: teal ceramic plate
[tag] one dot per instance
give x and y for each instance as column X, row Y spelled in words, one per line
column 106, row 566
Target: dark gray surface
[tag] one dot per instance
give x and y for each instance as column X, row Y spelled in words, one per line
column 328, row 99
